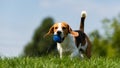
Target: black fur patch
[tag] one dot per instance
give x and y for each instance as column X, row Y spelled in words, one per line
column 80, row 38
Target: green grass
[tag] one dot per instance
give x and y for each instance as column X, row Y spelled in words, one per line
column 56, row 62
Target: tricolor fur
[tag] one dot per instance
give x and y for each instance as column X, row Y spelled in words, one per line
column 79, row 41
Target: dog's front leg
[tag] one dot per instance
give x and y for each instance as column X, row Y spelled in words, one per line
column 59, row 49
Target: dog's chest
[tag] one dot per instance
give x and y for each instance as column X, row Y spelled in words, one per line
column 69, row 43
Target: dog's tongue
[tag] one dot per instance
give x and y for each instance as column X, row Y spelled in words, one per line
column 57, row 38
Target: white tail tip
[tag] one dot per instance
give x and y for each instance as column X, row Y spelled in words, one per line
column 83, row 14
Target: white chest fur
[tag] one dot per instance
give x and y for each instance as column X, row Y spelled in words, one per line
column 68, row 45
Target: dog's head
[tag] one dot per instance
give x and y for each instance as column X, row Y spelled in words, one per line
column 61, row 29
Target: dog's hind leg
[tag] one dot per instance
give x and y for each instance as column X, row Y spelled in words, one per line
column 75, row 53
column 89, row 46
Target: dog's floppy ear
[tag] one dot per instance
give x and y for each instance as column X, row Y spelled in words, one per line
column 73, row 32
column 49, row 32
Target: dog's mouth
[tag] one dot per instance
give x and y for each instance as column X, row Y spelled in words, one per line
column 62, row 39
column 57, row 38
column 59, row 34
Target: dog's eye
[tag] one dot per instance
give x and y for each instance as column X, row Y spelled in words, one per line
column 56, row 27
column 63, row 28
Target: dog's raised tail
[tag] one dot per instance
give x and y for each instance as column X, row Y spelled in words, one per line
column 83, row 16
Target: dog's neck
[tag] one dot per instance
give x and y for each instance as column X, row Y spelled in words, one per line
column 68, row 43
column 66, row 40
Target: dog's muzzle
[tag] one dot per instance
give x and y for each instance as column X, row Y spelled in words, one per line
column 59, row 33
column 58, row 38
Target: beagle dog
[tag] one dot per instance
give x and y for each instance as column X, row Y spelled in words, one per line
column 79, row 42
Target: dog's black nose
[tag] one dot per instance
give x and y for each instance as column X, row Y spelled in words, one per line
column 59, row 32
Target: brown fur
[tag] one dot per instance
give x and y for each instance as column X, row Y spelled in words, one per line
column 66, row 29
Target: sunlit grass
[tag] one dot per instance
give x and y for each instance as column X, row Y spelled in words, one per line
column 56, row 62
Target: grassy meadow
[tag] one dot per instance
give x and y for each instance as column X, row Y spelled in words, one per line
column 56, row 62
